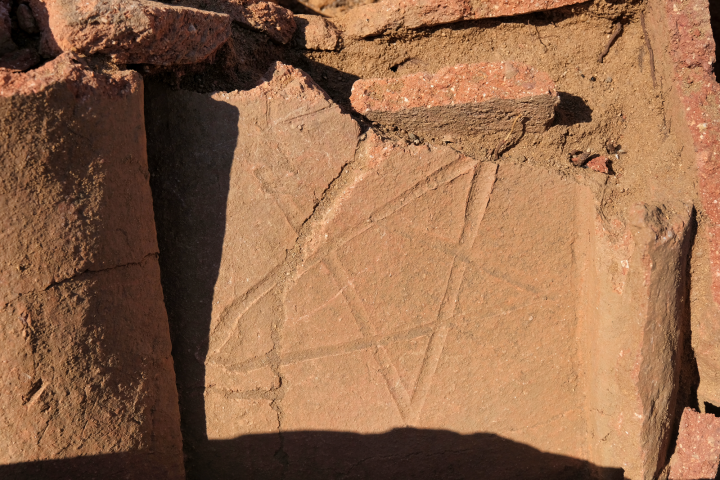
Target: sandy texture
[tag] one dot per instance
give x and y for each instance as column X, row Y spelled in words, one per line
column 86, row 358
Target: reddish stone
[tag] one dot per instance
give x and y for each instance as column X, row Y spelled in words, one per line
column 464, row 100
column 86, row 365
column 134, row 31
column 268, row 17
column 682, row 39
column 26, row 20
column 20, row 60
column 316, row 33
column 697, row 451
column 687, row 32
column 633, row 286
column 252, row 167
column 599, row 164
column 377, row 18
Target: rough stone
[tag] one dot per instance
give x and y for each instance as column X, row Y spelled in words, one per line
column 316, row 33
column 251, row 166
column 488, row 99
column 697, row 452
column 134, row 31
column 86, row 365
column 26, row 20
column 268, row 17
column 599, row 164
column 377, row 18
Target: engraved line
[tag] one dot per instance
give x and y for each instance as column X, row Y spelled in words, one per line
column 397, row 390
column 365, row 343
column 289, row 209
column 224, row 326
column 357, row 308
column 440, row 177
column 478, row 199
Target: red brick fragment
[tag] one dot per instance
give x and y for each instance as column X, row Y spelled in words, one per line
column 267, row 17
column 316, row 33
column 377, row 18
column 697, row 454
column 461, row 100
column 599, row 164
column 134, row 31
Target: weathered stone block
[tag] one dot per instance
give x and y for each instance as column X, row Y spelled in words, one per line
column 86, row 365
column 682, row 39
column 135, row 31
column 697, row 450
column 237, row 175
column 488, row 99
column 633, row 301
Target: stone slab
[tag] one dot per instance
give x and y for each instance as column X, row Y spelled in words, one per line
column 61, row 214
column 461, row 101
column 135, row 31
column 86, row 366
column 682, row 38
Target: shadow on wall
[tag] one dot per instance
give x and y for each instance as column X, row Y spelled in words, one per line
column 190, row 153
column 398, row 454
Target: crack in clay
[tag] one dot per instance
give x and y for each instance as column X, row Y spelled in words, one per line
column 90, row 271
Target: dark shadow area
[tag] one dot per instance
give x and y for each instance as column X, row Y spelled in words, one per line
column 715, row 23
column 336, row 83
column 126, row 465
column 712, row 409
column 689, row 375
column 191, row 142
column 398, row 454
column 571, row 110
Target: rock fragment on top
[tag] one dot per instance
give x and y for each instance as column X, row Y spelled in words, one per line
column 483, row 99
column 267, row 17
column 377, row 18
column 130, row 31
column 316, row 33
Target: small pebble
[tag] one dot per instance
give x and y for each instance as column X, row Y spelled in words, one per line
column 592, row 79
column 608, row 79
